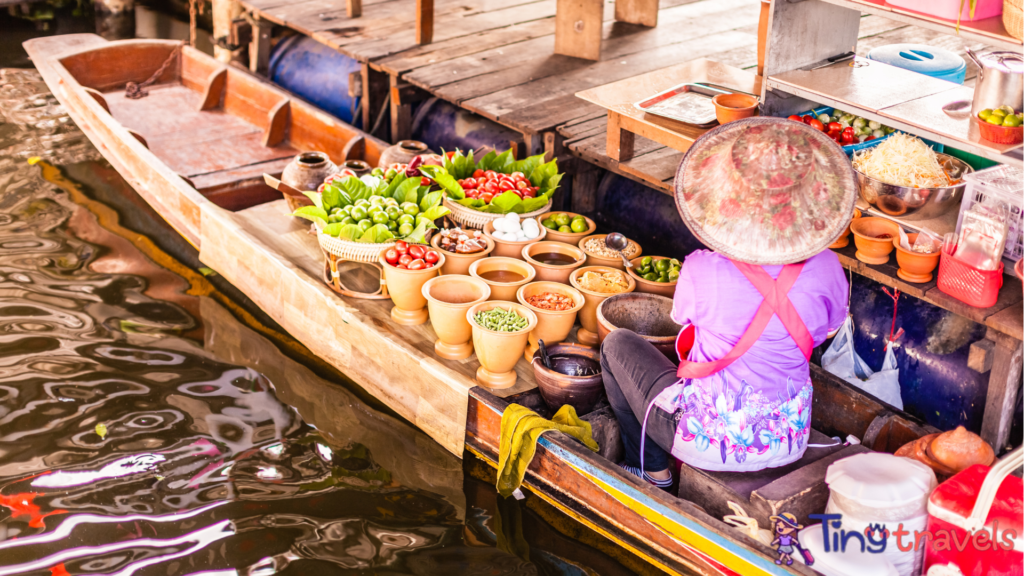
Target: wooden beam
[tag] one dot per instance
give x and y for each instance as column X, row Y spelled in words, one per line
column 1003, row 385
column 375, row 90
column 981, row 356
column 353, row 8
column 214, row 90
column 621, row 142
column 425, row 21
column 401, row 111
column 277, row 124
column 355, row 149
column 578, row 28
column 642, row 12
column 259, row 46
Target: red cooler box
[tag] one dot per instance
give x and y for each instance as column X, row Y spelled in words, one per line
column 960, row 509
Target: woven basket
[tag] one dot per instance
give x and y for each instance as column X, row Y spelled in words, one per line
column 475, row 219
column 1013, row 18
column 349, row 250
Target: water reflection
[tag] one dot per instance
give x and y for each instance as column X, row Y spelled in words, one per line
column 145, row 430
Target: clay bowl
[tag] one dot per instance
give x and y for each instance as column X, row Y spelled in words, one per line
column 557, row 389
column 550, row 272
column 448, row 298
column 568, row 237
column 498, row 352
column 844, row 240
column 406, row 290
column 503, row 290
column 870, row 248
column 553, row 326
column 587, row 334
column 649, row 286
column 507, row 248
column 455, row 263
column 914, row 266
column 616, row 262
column 649, row 315
column 730, row 107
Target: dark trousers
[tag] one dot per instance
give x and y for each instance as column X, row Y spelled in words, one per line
column 634, row 373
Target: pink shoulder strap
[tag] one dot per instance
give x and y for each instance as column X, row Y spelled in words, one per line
column 776, row 302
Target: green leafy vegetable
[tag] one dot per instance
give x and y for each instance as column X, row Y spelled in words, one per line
column 313, row 214
column 430, row 200
column 350, row 232
column 316, row 198
column 376, row 234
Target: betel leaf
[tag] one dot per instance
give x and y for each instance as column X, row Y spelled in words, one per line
column 531, row 204
column 350, row 232
column 508, row 202
column 395, row 183
column 444, row 180
column 331, row 197
column 542, row 172
column 406, row 190
column 472, row 202
column 430, row 200
column 487, row 161
column 356, row 188
column 419, row 233
column 313, row 214
column 315, row 197
column 332, row 229
column 435, row 213
column 528, row 165
column 376, row 234
column 503, row 162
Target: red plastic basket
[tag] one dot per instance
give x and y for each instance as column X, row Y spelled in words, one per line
column 979, row 288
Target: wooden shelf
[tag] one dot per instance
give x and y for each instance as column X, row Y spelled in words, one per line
column 989, row 30
column 899, row 98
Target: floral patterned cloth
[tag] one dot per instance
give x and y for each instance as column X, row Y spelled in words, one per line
column 755, row 413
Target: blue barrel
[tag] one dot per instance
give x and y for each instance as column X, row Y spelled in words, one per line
column 315, row 72
column 927, row 60
column 445, row 126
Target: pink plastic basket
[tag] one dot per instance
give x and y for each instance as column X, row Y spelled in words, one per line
column 947, row 9
column 979, row 288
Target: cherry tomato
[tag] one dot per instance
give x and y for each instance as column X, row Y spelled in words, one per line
column 491, row 173
column 869, row 138
column 404, row 259
column 468, row 183
column 529, row 193
column 487, row 197
column 402, row 267
column 425, row 181
column 835, row 126
column 478, row 173
column 807, row 119
column 796, row 118
column 402, row 246
column 391, row 256
column 416, row 251
column 431, row 257
column 848, row 136
column 417, row 264
column 816, row 124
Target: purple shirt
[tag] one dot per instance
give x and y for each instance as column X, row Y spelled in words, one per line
column 714, row 296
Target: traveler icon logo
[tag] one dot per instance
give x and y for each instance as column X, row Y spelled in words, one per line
column 785, row 526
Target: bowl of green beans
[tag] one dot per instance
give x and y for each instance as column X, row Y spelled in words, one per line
column 500, row 331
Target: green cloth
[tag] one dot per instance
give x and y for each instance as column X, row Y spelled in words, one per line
column 520, row 428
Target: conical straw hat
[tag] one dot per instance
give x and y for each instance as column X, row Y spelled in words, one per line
column 766, row 190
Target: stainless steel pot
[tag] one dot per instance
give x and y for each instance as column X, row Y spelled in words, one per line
column 916, row 203
column 1000, row 80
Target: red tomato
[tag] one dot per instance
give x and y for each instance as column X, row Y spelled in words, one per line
column 491, row 174
column 848, row 136
column 425, row 181
column 391, row 256
column 489, row 188
column 518, row 175
column 478, row 173
column 402, row 246
column 816, row 124
column 869, row 138
column 404, row 260
column 402, row 267
column 796, row 118
column 468, row 183
column 431, row 257
column 522, row 185
column 835, row 126
column 487, row 197
column 450, row 154
column 529, row 193
column 416, row 251
column 417, row 264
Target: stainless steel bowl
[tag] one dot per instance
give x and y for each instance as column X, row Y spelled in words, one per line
column 916, row 203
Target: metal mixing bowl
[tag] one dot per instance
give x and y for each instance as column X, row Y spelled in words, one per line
column 916, row 203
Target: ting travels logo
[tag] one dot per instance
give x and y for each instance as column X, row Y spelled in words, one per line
column 877, row 537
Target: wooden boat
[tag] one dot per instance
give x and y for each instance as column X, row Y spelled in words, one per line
column 204, row 130
column 248, row 238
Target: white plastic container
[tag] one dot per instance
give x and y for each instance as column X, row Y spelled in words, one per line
column 878, row 488
column 948, row 9
column 999, row 184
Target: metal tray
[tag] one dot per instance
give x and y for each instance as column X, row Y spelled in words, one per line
column 689, row 103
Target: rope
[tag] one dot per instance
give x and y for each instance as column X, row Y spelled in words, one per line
column 135, row 91
column 895, row 295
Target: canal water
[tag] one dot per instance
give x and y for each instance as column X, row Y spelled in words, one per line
column 151, row 423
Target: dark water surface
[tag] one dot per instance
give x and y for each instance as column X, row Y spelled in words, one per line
column 150, row 425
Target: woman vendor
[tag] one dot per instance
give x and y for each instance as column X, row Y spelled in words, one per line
column 768, row 196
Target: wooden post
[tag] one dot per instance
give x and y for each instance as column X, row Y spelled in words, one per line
column 375, row 91
column 424, row 21
column 353, row 8
column 401, row 110
column 578, row 28
column 259, row 48
column 642, row 12
column 762, row 34
column 1003, row 385
column 224, row 13
column 621, row 142
column 115, row 19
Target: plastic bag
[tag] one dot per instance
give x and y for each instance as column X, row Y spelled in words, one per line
column 842, row 360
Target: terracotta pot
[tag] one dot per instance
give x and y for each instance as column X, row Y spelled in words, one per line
column 498, row 352
column 448, row 298
column 308, row 170
column 615, row 262
column 649, row 315
column 844, row 239
column 915, row 266
column 360, row 167
column 729, row 107
column 455, row 263
column 503, row 290
column 553, row 326
column 870, row 248
column 557, row 389
column 510, row 249
column 587, row 334
column 406, row 290
column 568, row 237
column 550, row 272
column 650, row 286
column 402, row 153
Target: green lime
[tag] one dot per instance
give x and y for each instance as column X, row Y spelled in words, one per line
column 335, row 210
column 1012, row 121
column 393, row 225
column 641, row 270
column 995, row 119
column 380, row 217
column 663, row 277
column 662, row 265
column 673, row 275
column 651, row 276
column 675, row 263
column 565, row 229
column 984, row 114
column 391, row 202
column 646, row 261
column 376, row 200
column 406, row 219
column 332, row 218
column 347, row 220
column 1006, row 109
column 998, row 112
column 365, row 224
column 347, row 210
column 579, row 225
column 410, row 208
column 363, row 202
column 404, row 230
column 549, row 223
column 358, row 212
column 562, row 220
column 379, row 173
column 394, row 212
